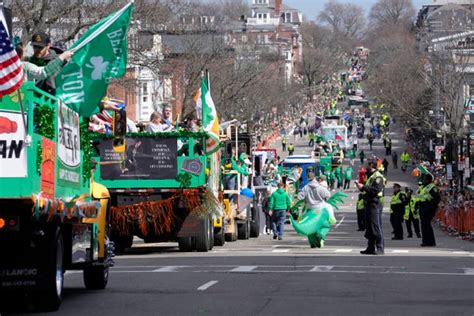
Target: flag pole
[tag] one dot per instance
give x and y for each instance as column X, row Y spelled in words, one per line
column 202, row 106
column 20, row 102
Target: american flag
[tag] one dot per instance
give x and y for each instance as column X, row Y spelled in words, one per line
column 11, row 72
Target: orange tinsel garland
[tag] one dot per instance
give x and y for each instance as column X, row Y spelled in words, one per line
column 160, row 214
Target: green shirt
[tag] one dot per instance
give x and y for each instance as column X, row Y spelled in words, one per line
column 348, row 173
column 279, row 200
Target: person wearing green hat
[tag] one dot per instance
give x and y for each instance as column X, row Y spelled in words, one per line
column 245, row 164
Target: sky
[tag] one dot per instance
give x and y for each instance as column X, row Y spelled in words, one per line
column 311, row 8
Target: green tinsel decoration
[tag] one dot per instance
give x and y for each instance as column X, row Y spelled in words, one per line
column 39, row 157
column 175, row 134
column 44, row 116
column 87, row 149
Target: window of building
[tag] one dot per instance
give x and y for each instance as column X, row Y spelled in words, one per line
column 145, row 99
column 145, row 88
column 288, row 18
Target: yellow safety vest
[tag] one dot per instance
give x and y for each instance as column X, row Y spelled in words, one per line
column 395, row 200
column 423, row 193
column 291, row 147
column 410, row 207
column 360, row 204
column 371, row 180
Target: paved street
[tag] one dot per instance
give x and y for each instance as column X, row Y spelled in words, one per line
column 266, row 277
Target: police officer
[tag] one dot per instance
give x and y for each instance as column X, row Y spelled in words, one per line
column 283, row 144
column 397, row 210
column 427, row 199
column 411, row 215
column 291, row 149
column 373, row 189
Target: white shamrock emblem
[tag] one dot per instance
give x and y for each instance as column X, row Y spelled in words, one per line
column 99, row 66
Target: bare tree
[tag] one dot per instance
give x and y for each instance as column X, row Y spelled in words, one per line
column 344, row 19
column 392, row 12
column 64, row 19
column 322, row 56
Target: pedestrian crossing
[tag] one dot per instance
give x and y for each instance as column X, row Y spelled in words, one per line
column 257, row 269
column 299, row 249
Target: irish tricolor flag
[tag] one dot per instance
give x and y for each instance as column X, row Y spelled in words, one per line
column 207, row 109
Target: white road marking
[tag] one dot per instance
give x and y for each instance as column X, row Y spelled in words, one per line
column 469, row 271
column 340, row 222
column 461, row 252
column 281, row 250
column 343, row 250
column 400, row 251
column 244, row 269
column 207, row 285
column 70, row 272
column 168, row 269
column 321, row 269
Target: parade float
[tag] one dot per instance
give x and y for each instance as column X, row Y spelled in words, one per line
column 163, row 188
column 52, row 215
column 167, row 186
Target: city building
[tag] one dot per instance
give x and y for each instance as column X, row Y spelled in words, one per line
column 272, row 31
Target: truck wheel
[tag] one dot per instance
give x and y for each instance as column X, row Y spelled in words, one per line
column 244, row 230
column 96, row 278
column 255, row 223
column 49, row 299
column 185, row 244
column 219, row 238
column 211, row 235
column 202, row 242
column 121, row 243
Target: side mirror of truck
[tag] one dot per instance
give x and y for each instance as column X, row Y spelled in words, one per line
column 119, row 128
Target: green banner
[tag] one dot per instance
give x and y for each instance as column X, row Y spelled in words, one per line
column 99, row 55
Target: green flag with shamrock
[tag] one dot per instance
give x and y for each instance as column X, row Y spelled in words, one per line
column 99, row 55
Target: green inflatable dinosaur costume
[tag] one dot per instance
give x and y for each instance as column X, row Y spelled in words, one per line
column 315, row 224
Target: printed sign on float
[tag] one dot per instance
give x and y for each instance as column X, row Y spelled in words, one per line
column 145, row 158
column 48, row 168
column 69, row 149
column 13, row 163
